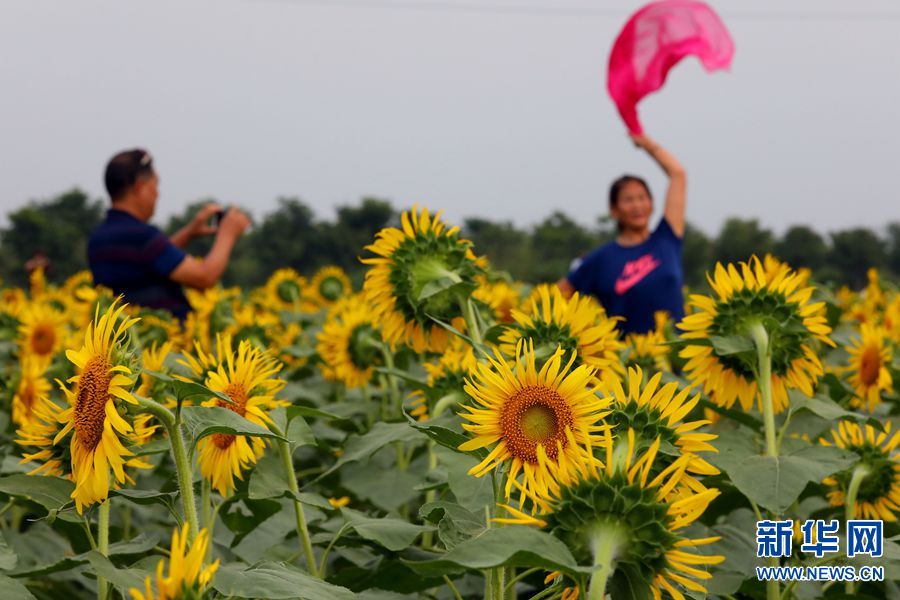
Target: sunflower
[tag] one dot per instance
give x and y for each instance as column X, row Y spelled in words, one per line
column 773, row 266
column 421, row 272
column 868, row 372
column 501, row 297
column 568, row 592
column 892, row 318
column 659, row 412
column 649, row 350
column 637, row 508
column 92, row 415
column 42, row 331
column 37, row 436
column 37, row 283
column 33, row 385
column 542, row 423
column 446, row 376
column 248, row 378
column 252, row 323
column 188, row 575
column 879, row 492
column 12, row 301
column 744, row 298
column 155, row 329
column 577, row 324
column 287, row 290
column 329, row 285
column 349, row 344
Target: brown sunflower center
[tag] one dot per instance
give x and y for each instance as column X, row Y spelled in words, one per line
column 238, row 395
column 869, row 366
column 90, row 402
column 535, row 415
column 42, row 339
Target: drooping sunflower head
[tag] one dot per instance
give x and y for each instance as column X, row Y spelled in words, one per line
column 42, row 331
column 188, row 575
column 349, row 343
column 744, row 298
column 868, row 374
column 577, row 324
column 446, row 378
column 33, row 385
column 153, row 359
column 540, row 424
column 879, row 493
column 329, row 285
column 420, row 272
column 640, row 509
column 102, row 377
column 659, row 412
column 249, row 378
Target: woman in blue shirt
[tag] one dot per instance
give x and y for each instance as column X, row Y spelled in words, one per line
column 640, row 272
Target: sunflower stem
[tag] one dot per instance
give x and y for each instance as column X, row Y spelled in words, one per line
column 103, row 544
column 764, row 380
column 287, row 461
column 606, row 540
column 860, row 471
column 183, row 469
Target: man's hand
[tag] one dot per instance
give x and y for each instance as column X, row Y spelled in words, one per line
column 234, row 223
column 200, row 224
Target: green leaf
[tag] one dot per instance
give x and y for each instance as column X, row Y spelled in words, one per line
column 733, row 344
column 393, row 534
column 472, row 493
column 202, row 421
column 436, row 286
column 455, row 523
column 122, row 579
column 628, row 584
column 306, row 411
column 444, row 436
column 275, row 581
column 50, row 492
column 8, row 558
column 360, row 447
column 825, row 408
column 10, row 589
column 405, row 376
column 299, row 433
column 502, row 546
column 185, row 390
column 775, row 482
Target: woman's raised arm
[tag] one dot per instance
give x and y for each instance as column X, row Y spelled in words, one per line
column 677, row 192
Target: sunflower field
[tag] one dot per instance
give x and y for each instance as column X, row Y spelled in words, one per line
column 444, row 433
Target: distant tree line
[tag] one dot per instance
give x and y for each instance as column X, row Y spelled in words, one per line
column 292, row 236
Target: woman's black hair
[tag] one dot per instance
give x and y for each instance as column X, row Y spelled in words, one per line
column 616, row 189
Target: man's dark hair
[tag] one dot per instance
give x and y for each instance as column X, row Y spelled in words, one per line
column 124, row 169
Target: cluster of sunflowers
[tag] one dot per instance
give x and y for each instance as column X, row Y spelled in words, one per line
column 443, row 432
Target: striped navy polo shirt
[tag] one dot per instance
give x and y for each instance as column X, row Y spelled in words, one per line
column 134, row 259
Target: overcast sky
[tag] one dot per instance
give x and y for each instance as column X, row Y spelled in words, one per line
column 495, row 108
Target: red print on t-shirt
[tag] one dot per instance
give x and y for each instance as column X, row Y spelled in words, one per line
column 634, row 271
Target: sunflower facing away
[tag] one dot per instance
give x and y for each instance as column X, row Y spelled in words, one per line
column 92, row 416
column 329, row 285
column 742, row 298
column 577, row 324
column 37, row 436
column 349, row 343
column 420, row 271
column 640, row 508
column 188, row 576
column 248, row 377
column 501, row 297
column 879, row 493
column 868, row 373
column 541, row 424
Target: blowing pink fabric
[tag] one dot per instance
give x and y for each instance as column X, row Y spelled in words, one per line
column 653, row 41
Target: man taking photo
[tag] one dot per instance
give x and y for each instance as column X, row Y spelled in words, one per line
column 137, row 260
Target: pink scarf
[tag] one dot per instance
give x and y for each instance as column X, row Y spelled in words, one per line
column 653, row 41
